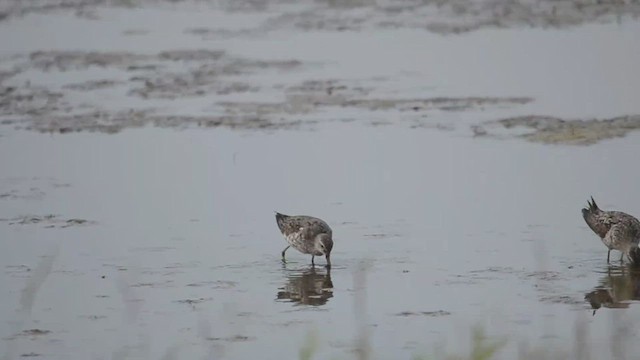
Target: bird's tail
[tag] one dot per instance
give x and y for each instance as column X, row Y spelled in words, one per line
column 280, row 219
column 593, row 217
column 591, row 209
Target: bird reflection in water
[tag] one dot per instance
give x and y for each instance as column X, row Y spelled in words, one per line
column 309, row 287
column 616, row 288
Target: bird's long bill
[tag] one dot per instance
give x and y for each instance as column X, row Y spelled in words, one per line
column 328, row 257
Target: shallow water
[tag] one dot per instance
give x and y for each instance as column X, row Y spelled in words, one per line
column 455, row 231
column 162, row 243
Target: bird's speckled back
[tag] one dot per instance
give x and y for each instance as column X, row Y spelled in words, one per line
column 310, row 226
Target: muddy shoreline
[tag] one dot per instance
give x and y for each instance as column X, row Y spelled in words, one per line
column 222, row 81
column 445, row 17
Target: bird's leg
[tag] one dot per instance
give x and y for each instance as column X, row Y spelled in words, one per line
column 312, row 263
column 621, row 257
column 608, row 253
column 283, row 251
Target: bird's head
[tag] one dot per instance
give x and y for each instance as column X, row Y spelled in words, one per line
column 324, row 245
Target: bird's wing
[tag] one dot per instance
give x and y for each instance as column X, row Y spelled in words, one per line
column 600, row 223
column 306, row 226
column 313, row 226
column 620, row 235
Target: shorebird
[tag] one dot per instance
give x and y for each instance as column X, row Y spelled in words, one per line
column 617, row 230
column 307, row 234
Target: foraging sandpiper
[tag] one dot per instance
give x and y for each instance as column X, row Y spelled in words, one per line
column 307, row 234
column 617, row 230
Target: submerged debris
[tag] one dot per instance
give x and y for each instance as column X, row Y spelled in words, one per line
column 235, row 338
column 446, row 17
column 552, row 130
column 79, row 60
column 49, row 221
column 193, row 301
column 30, row 333
column 92, row 85
column 424, row 313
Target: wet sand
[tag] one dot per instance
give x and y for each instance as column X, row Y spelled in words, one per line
column 140, row 173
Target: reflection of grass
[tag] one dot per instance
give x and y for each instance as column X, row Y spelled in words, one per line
column 483, row 348
column 29, row 295
column 309, row 347
column 126, row 3
column 488, row 348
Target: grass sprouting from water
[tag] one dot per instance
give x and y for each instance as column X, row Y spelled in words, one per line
column 482, row 347
column 309, row 347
